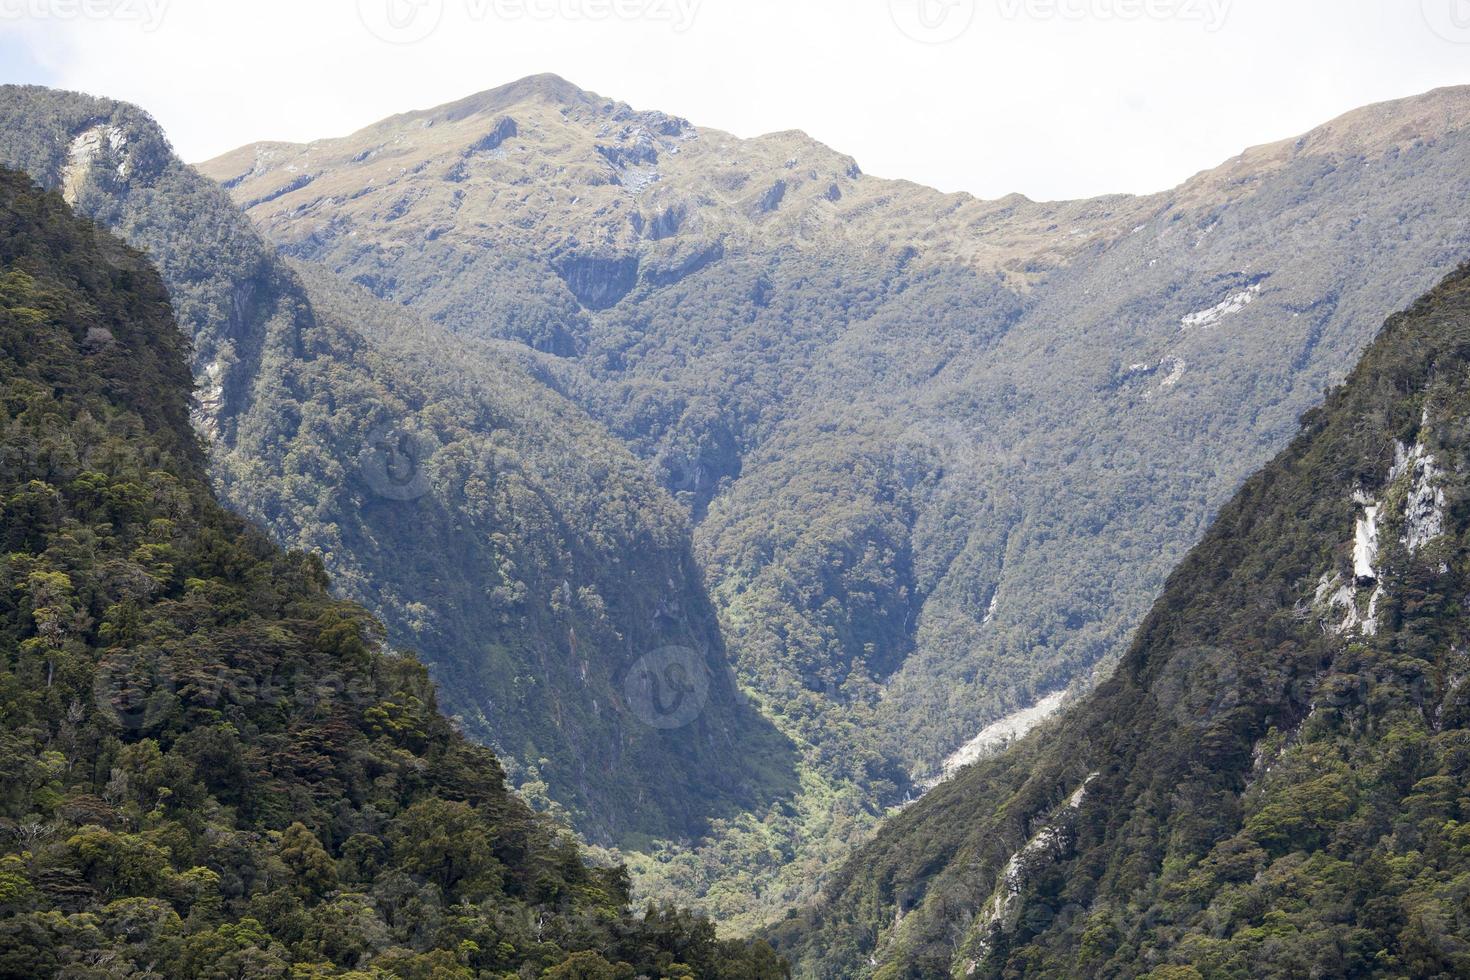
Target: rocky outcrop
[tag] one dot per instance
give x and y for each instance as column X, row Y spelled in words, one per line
column 1412, row 500
column 683, row 262
column 1049, row 844
column 504, row 128
column 210, row 401
column 772, row 198
column 1229, row 306
column 85, row 147
column 1424, row 505
column 1365, row 543
column 598, row 282
column 641, row 153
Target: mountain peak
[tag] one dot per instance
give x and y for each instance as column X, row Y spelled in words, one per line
column 625, row 178
column 545, row 87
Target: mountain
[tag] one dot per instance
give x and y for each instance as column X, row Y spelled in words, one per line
column 210, row 767
column 1274, row 781
column 940, row 453
column 487, row 520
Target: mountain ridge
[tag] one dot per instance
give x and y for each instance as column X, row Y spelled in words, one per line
column 931, row 482
column 1376, row 128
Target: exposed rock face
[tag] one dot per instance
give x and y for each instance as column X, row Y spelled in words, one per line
column 84, row 150
column 504, row 129
column 772, row 198
column 1365, row 544
column 1425, row 502
column 210, row 400
column 999, row 734
column 1047, row 846
column 1413, row 501
column 598, row 282
column 665, row 224
column 641, row 152
column 1229, row 306
column 683, row 262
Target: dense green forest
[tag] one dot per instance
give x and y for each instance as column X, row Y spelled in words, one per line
column 1276, row 780
column 210, row 767
column 928, row 489
column 486, row 520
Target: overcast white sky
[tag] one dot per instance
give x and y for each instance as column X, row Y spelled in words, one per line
column 1052, row 98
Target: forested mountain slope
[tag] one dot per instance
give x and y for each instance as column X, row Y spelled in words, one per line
column 489, row 521
column 941, row 452
column 210, row 767
column 1276, row 781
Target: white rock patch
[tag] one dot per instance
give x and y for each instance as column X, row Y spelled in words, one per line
column 1337, row 598
column 83, row 150
column 1425, row 504
column 1230, row 305
column 1365, row 544
column 990, row 611
column 211, row 399
column 1047, row 845
column 1415, row 472
column 998, row 734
